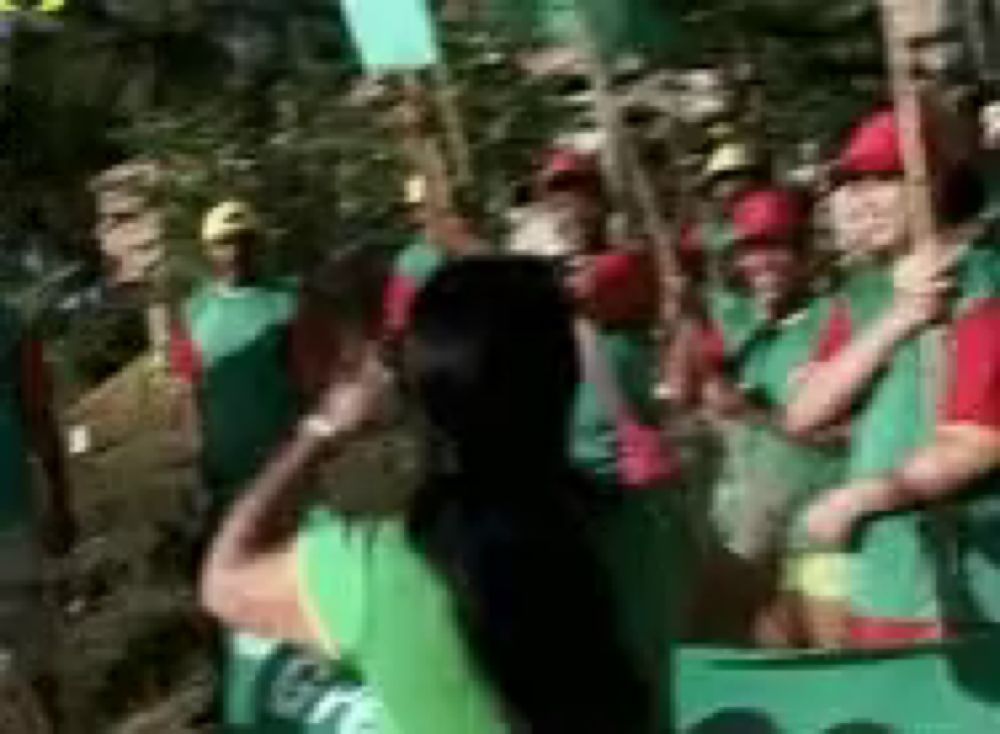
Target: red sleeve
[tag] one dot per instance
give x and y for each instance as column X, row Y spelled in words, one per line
column 620, row 288
column 35, row 376
column 185, row 358
column 711, row 348
column 397, row 302
column 973, row 394
column 836, row 334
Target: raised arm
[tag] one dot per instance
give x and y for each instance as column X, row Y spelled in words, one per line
column 965, row 446
column 249, row 579
column 829, row 389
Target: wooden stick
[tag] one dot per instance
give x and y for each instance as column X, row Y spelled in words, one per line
column 897, row 17
column 455, row 134
column 423, row 147
column 627, row 164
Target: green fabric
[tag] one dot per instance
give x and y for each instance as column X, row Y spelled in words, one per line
column 390, row 615
column 909, row 565
column 269, row 687
column 762, row 468
column 944, row 689
column 622, row 26
column 735, row 315
column 419, row 261
column 246, row 393
column 16, row 506
column 392, row 34
column 631, row 356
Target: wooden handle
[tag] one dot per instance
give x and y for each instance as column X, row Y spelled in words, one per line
column 898, row 25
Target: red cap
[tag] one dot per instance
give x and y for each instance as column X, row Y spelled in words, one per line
column 873, row 147
column 768, row 214
column 566, row 163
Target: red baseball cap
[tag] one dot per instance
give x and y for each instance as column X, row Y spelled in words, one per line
column 768, row 214
column 566, row 164
column 873, row 147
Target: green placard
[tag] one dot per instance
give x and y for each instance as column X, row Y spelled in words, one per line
column 618, row 26
column 392, row 34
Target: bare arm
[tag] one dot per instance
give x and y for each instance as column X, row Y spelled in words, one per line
column 828, row 390
column 249, row 579
column 959, row 455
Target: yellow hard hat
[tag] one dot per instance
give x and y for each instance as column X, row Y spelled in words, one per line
column 415, row 191
column 731, row 158
column 229, row 219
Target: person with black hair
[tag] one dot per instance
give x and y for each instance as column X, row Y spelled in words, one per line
column 487, row 603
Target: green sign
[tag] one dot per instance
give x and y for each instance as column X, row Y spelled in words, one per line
column 392, row 34
column 617, row 26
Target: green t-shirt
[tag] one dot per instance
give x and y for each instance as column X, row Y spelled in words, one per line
column 419, row 261
column 764, row 469
column 382, row 610
column 917, row 564
column 245, row 387
column 16, row 505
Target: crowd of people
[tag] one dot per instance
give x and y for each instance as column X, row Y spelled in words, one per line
column 554, row 548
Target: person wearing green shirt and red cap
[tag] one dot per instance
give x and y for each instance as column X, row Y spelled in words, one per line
column 616, row 435
column 919, row 507
column 768, row 477
column 615, row 290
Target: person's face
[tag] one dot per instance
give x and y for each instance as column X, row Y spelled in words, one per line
column 870, row 215
column 771, row 271
column 726, row 188
column 231, row 256
column 580, row 213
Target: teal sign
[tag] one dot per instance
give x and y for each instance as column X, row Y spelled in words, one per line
column 392, row 34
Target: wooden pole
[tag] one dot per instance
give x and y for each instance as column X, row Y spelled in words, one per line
column 423, row 147
column 627, row 165
column 455, row 134
column 898, row 21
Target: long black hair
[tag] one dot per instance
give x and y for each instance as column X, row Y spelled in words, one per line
column 503, row 517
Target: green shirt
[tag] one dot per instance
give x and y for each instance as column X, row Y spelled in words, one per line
column 382, row 608
column 384, row 611
column 244, row 383
column 16, row 505
column 918, row 564
column 419, row 261
column 763, row 469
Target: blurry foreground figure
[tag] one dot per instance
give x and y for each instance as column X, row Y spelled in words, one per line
column 470, row 608
column 30, row 522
